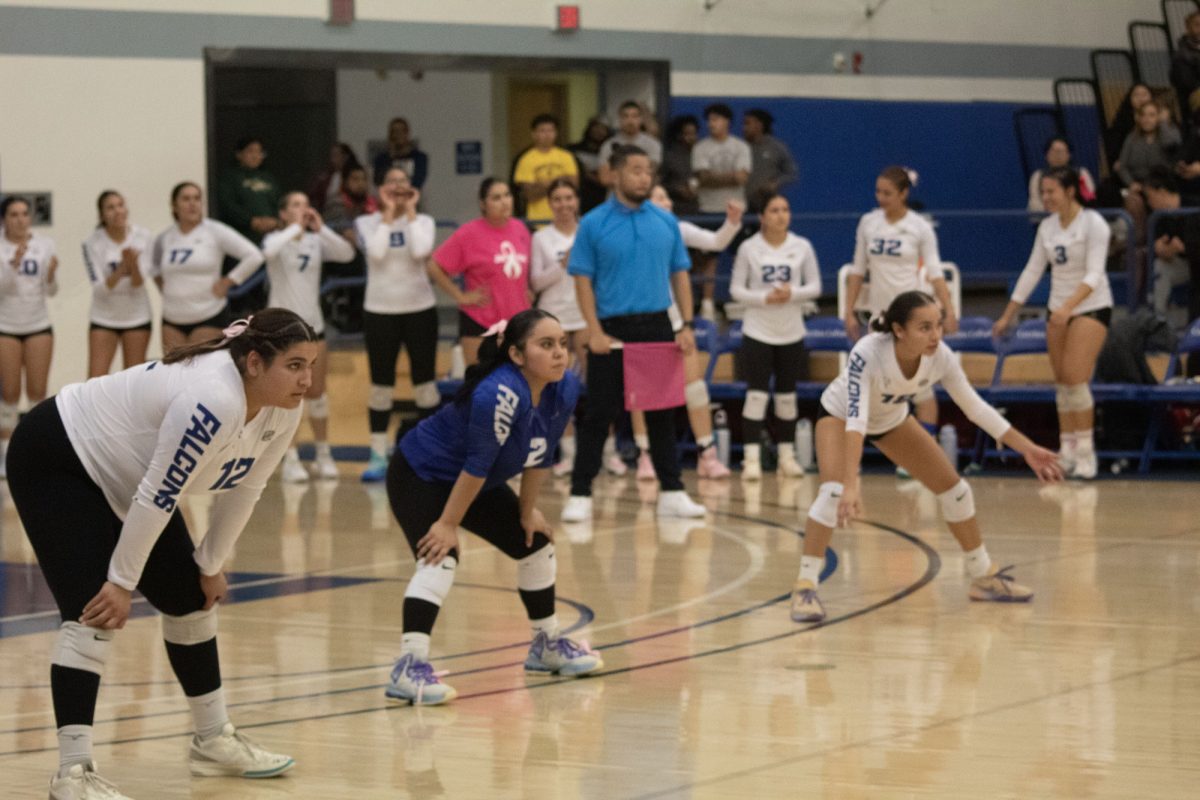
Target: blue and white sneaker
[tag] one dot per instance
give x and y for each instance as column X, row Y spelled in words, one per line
column 232, row 753
column 376, row 470
column 561, row 656
column 414, row 681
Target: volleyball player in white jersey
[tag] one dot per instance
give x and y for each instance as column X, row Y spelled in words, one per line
column 399, row 309
column 870, row 401
column 28, row 262
column 187, row 268
column 97, row 477
column 117, row 257
column 1073, row 241
column 774, row 272
column 294, row 258
column 708, row 465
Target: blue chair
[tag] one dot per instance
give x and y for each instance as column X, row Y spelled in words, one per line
column 826, row 335
column 1028, row 339
column 1160, row 396
column 715, row 344
column 974, row 336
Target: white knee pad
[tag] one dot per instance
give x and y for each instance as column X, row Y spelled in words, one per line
column 426, row 394
column 81, row 647
column 1061, row 400
column 195, row 628
column 958, row 504
column 537, row 570
column 755, row 407
column 695, row 394
column 9, row 415
column 318, row 408
column 824, row 509
column 380, row 398
column 432, row 583
column 1079, row 397
column 785, row 406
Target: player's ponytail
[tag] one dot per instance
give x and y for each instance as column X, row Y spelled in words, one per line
column 496, row 348
column 901, row 311
column 269, row 332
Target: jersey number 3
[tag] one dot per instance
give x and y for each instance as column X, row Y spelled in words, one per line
column 232, row 472
column 1060, row 254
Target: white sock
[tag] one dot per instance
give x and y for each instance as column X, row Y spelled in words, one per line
column 1083, row 443
column 324, row 450
column 642, row 440
column 978, row 561
column 415, row 643
column 379, row 444
column 292, row 454
column 810, row 568
column 209, row 714
column 752, row 452
column 704, row 442
column 566, row 448
column 786, row 450
column 74, row 746
column 548, row 626
column 1066, row 444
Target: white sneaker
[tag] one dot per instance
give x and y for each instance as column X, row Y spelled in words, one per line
column 678, row 504
column 326, row 468
column 751, row 470
column 789, row 467
column 82, row 783
column 415, row 682
column 233, row 753
column 577, row 509
column 1086, row 466
column 294, row 471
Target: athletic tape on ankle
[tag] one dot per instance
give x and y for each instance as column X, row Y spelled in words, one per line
column 81, row 647
column 380, row 398
column 958, row 504
column 195, row 628
column 537, row 571
column 318, row 408
column 432, row 583
column 695, row 394
column 785, row 406
column 426, row 395
column 9, row 415
column 824, row 509
column 755, row 407
column 1079, row 397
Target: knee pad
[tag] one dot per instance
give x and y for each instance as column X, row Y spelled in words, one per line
column 426, row 395
column 537, row 571
column 958, row 504
column 1061, row 401
column 195, row 628
column 824, row 509
column 695, row 394
column 81, row 647
column 1079, row 397
column 318, row 408
column 380, row 398
column 9, row 415
column 432, row 583
column 785, row 406
column 755, row 407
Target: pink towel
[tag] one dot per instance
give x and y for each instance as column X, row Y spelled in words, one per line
column 654, row 377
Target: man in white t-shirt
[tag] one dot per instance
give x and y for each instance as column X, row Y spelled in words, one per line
column 629, row 132
column 721, row 162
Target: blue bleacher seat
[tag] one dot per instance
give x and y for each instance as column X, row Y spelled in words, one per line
column 1160, row 396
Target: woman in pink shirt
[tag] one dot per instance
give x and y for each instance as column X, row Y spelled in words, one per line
column 492, row 255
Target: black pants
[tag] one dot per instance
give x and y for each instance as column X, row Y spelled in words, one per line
column 74, row 531
column 385, row 334
column 606, row 402
column 760, row 361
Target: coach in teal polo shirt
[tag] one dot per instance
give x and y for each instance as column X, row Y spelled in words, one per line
column 627, row 257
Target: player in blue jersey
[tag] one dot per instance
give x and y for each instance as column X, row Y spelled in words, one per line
column 452, row 470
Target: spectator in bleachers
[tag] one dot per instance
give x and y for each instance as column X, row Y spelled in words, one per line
column 1185, row 64
column 248, row 195
column 587, row 153
column 328, row 184
column 492, row 255
column 353, row 201
column 1123, row 121
column 1150, row 145
column 721, row 163
column 28, row 262
column 629, row 133
column 117, row 257
column 402, row 153
column 772, row 166
column 1058, row 154
column 541, row 165
column 675, row 174
column 1176, row 240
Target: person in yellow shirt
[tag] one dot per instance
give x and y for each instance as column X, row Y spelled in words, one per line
column 540, row 165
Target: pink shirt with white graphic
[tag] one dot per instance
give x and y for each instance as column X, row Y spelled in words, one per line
column 494, row 257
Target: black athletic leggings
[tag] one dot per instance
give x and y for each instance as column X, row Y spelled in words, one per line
column 74, row 531
column 760, row 361
column 384, row 335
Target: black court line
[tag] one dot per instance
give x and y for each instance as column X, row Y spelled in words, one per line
column 933, row 566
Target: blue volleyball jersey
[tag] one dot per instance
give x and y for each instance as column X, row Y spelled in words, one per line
column 497, row 434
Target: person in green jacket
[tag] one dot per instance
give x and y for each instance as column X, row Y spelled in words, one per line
column 248, row 195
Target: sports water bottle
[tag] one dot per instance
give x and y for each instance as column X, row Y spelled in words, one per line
column 804, row 443
column 458, row 363
column 721, row 435
column 948, row 438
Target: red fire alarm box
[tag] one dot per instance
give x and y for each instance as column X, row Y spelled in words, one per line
column 568, row 19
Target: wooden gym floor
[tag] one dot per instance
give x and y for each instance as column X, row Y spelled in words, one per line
column 710, row 691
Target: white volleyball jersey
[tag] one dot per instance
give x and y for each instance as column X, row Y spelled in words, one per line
column 190, row 263
column 1076, row 254
column 25, row 286
column 758, row 269
column 873, row 396
column 548, row 276
column 124, row 305
column 152, row 433
column 396, row 254
column 901, row 256
column 294, row 259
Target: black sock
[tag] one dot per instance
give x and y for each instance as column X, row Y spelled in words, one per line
column 539, row 603
column 74, row 692
column 419, row 615
column 196, row 666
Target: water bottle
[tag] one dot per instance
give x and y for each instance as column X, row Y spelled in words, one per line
column 948, row 439
column 458, row 363
column 721, row 435
column 804, row 443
